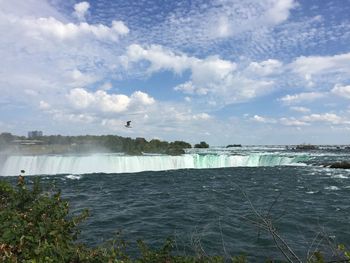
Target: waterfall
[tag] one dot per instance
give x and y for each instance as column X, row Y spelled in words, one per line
column 116, row 163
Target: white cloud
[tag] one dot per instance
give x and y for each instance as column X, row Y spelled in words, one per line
column 164, row 59
column 223, row 28
column 45, row 55
column 326, row 117
column 305, row 120
column 160, row 58
column 189, row 88
column 201, row 116
column 80, row 98
column 279, row 11
column 231, row 18
column 211, row 69
column 76, row 78
column 44, row 105
column 81, row 9
column 342, row 91
column 264, row 68
column 102, row 101
column 293, row 122
column 49, row 28
column 302, row 97
column 29, row 8
column 300, row 109
column 106, row 86
column 215, row 78
column 53, row 26
column 141, row 98
column 120, row 27
column 316, row 65
column 188, row 116
column 261, row 119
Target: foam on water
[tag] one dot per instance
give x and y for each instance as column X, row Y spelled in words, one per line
column 116, row 163
column 339, row 176
column 332, row 188
column 74, row 177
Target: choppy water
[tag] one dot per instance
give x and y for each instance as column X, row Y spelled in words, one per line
column 208, row 205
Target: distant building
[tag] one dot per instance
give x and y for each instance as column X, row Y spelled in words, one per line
column 34, row 134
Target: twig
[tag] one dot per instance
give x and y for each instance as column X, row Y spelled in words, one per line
column 266, row 224
column 222, row 238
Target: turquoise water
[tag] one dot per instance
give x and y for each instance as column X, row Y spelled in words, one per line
column 207, row 207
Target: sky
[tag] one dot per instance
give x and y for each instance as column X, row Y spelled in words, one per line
column 220, row 71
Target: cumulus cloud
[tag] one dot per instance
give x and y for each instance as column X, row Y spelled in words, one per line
column 141, row 98
column 164, row 59
column 80, row 98
column 160, row 58
column 316, row 65
column 49, row 28
column 52, row 26
column 279, row 11
column 76, row 78
column 81, row 9
column 319, row 72
column 302, row 97
column 45, row 55
column 212, row 76
column 102, row 101
column 342, row 91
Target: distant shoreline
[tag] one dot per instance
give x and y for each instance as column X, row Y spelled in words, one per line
column 88, row 144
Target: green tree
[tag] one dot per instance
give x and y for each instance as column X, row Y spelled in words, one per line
column 201, row 145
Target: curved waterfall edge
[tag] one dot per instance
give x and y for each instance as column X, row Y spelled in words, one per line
column 113, row 163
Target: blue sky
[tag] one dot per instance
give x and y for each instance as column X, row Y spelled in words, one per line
column 223, row 71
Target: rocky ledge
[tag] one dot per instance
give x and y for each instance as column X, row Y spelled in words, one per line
column 339, row 165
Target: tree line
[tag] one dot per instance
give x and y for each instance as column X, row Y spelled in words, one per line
column 109, row 143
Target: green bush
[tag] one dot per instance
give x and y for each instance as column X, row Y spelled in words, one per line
column 201, row 145
column 37, row 227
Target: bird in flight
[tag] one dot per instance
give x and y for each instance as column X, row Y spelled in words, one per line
column 127, row 125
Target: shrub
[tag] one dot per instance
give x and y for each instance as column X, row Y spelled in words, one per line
column 201, row 145
column 36, row 227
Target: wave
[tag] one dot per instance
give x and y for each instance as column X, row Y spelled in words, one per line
column 116, row 163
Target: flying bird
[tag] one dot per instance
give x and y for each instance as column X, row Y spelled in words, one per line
column 127, row 125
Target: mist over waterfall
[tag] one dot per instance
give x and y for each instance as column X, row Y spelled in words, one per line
column 116, row 163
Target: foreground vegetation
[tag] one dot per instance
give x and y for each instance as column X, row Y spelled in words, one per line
column 36, row 226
